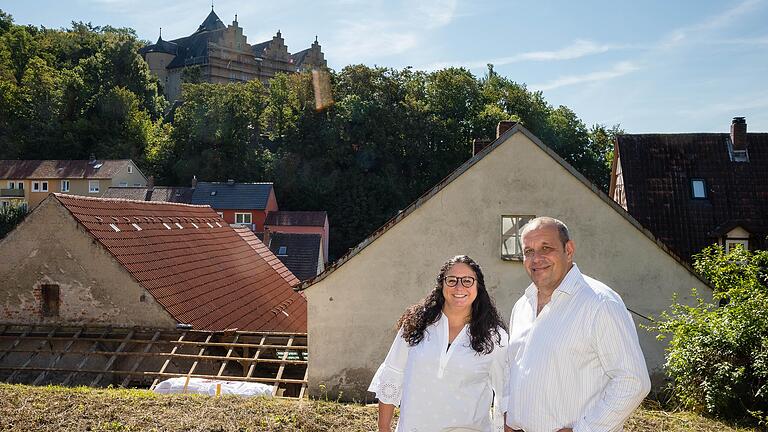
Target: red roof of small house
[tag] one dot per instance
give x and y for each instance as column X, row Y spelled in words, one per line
column 267, row 255
column 194, row 264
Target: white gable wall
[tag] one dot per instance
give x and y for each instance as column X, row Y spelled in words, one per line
column 352, row 311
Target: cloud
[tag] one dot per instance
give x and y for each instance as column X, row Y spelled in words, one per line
column 350, row 47
column 436, row 13
column 719, row 20
column 618, row 70
column 579, row 48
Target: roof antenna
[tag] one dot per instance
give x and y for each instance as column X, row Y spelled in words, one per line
column 161, row 32
column 211, row 5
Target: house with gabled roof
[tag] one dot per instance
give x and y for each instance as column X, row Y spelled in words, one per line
column 94, row 261
column 31, row 181
column 692, row 190
column 300, row 222
column 479, row 210
column 301, row 253
column 245, row 204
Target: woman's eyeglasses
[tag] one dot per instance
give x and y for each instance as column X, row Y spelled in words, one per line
column 466, row 281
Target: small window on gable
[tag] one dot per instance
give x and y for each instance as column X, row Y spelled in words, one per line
column 130, row 169
column 49, row 300
column 511, row 246
column 698, row 188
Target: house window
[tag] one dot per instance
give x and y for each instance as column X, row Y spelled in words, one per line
column 221, row 215
column 93, row 186
column 49, row 301
column 699, row 189
column 11, row 185
column 44, row 186
column 730, row 244
column 35, row 186
column 130, row 169
column 242, row 218
column 65, row 185
column 21, row 185
column 511, row 247
column 282, row 250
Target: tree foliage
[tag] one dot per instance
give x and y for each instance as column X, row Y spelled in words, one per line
column 10, row 216
column 388, row 137
column 718, row 352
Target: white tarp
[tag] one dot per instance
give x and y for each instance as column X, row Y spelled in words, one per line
column 209, row 387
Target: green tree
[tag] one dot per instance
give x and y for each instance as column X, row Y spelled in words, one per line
column 718, row 351
column 10, row 216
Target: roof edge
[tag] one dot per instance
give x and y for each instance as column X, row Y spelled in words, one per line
column 517, row 128
column 87, row 198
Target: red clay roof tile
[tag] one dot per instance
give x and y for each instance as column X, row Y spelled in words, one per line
column 214, row 278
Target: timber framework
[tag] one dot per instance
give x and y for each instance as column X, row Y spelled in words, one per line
column 142, row 357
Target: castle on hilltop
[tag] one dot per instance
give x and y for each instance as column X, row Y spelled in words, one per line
column 218, row 53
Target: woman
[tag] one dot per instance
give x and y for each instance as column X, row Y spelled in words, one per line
column 448, row 358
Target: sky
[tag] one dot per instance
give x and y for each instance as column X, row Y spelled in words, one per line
column 650, row 66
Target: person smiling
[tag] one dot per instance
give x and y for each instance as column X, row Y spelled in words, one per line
column 575, row 362
column 447, row 364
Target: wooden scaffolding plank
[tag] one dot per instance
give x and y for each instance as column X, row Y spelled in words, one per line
column 282, row 367
column 140, row 359
column 173, row 342
column 256, row 357
column 58, row 357
column 112, row 359
column 32, row 356
column 205, row 357
column 196, row 362
column 229, row 354
column 84, row 360
column 304, row 384
column 167, row 362
column 16, row 342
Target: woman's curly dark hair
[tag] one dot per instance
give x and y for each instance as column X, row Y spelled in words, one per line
column 483, row 325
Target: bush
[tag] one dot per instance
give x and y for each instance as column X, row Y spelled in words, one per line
column 10, row 216
column 717, row 357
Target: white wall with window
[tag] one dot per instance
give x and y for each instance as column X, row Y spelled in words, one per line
column 736, row 236
column 93, row 186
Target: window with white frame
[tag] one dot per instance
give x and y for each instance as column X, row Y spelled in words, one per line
column 730, row 244
column 35, row 186
column 221, row 214
column 93, row 186
column 130, row 169
column 11, row 185
column 65, row 185
column 511, row 246
column 44, row 186
column 243, row 218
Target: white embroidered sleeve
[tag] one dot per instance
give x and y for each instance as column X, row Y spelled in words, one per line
column 387, row 383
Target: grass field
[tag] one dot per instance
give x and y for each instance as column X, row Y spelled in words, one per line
column 25, row 408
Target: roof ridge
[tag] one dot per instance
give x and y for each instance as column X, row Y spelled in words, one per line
column 87, row 198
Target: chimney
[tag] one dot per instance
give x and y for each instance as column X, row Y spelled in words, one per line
column 479, row 144
column 266, row 237
column 739, row 133
column 504, row 126
column 92, row 159
column 194, row 182
column 151, row 183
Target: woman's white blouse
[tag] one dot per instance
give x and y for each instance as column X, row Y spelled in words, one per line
column 440, row 388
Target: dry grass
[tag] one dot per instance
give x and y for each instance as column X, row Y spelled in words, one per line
column 56, row 408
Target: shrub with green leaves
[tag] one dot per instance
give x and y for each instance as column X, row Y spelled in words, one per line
column 10, row 216
column 717, row 357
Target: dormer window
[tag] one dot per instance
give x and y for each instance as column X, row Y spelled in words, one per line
column 698, row 188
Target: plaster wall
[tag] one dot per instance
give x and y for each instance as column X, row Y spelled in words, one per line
column 50, row 247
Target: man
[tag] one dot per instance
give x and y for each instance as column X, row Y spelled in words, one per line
column 575, row 361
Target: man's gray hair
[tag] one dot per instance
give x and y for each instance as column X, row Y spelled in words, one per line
column 541, row 221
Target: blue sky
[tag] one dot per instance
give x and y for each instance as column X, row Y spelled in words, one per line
column 652, row 66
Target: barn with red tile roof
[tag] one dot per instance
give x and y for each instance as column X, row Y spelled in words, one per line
column 78, row 260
